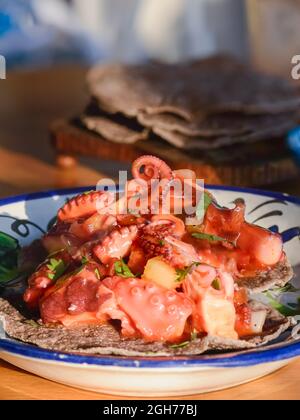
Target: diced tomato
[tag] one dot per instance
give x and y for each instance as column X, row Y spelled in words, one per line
column 240, row 297
column 265, row 246
column 71, row 295
column 158, row 314
column 223, row 222
column 243, row 321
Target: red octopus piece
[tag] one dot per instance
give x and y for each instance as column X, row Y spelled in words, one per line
column 151, row 167
column 96, row 225
column 158, row 314
column 151, row 242
column 117, row 244
column 85, row 205
column 110, row 310
column 43, row 279
column 177, row 227
column 72, row 296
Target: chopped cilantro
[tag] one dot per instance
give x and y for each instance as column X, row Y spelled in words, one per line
column 51, row 276
column 122, row 269
column 162, row 243
column 181, row 345
column 181, row 274
column 84, row 261
column 210, row 238
column 57, row 268
column 194, row 336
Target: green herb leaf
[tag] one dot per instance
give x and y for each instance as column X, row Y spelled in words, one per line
column 194, row 336
column 57, row 268
column 181, row 345
column 122, row 269
column 182, row 274
column 162, row 243
column 210, row 238
column 84, row 261
column 203, row 205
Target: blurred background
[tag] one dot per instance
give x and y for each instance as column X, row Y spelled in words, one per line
column 49, row 44
column 39, row 33
column 48, row 32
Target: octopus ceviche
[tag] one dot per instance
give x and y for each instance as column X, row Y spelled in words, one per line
column 149, row 283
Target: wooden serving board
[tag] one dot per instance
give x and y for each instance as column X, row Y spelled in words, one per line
column 257, row 164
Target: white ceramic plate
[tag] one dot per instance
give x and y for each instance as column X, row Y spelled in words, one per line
column 26, row 217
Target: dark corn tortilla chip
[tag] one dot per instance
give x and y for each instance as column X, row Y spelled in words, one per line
column 190, row 90
column 184, row 142
column 278, row 276
column 218, row 125
column 113, row 131
column 116, row 128
column 106, row 339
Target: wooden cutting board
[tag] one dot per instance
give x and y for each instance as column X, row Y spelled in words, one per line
column 256, row 164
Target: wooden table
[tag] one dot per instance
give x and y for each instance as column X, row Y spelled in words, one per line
column 29, row 102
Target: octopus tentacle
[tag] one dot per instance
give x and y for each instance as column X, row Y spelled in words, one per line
column 43, row 279
column 85, row 205
column 153, row 168
column 117, row 244
column 177, row 227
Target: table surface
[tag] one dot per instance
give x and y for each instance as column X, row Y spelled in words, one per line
column 29, row 102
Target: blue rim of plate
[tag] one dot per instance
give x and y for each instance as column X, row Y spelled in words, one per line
column 243, row 359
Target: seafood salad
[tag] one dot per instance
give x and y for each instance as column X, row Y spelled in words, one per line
column 143, row 281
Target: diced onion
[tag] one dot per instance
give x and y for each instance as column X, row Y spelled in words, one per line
column 258, row 320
